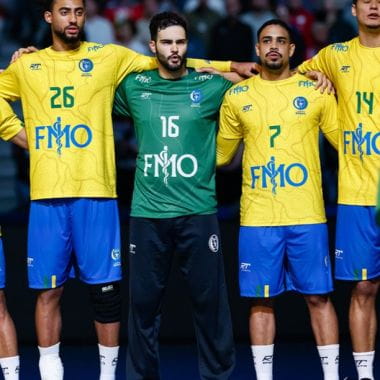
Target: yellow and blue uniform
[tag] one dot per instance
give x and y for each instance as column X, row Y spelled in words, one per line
column 67, row 99
column 282, row 203
column 354, row 70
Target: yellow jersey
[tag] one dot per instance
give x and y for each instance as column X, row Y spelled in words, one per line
column 354, row 70
column 279, row 123
column 67, row 99
column 10, row 124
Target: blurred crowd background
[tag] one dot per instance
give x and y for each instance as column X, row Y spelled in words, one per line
column 219, row 29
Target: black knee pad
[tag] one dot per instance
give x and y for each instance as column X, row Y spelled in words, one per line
column 106, row 301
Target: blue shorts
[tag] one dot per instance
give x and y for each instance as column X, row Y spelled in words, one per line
column 357, row 245
column 2, row 266
column 80, row 233
column 275, row 259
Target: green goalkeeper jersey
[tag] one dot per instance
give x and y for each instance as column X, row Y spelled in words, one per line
column 175, row 123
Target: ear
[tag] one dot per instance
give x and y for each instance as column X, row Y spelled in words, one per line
column 291, row 50
column 257, row 50
column 353, row 10
column 152, row 46
column 48, row 17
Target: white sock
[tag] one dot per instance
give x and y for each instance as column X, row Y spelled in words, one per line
column 50, row 364
column 330, row 361
column 10, row 367
column 263, row 361
column 108, row 361
column 364, row 364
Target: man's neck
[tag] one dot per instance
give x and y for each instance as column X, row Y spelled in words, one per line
column 167, row 74
column 273, row 75
column 369, row 38
column 59, row 45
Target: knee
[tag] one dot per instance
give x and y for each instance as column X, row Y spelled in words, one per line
column 365, row 291
column 50, row 297
column 106, row 301
column 261, row 306
column 317, row 301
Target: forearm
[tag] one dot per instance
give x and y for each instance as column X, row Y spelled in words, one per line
column 20, row 139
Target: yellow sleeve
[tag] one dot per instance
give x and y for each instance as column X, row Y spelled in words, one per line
column 320, row 62
column 10, row 124
column 229, row 135
column 225, row 150
column 329, row 120
column 223, row 66
column 9, row 85
column 129, row 62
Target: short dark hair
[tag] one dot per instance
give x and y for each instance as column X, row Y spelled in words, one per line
column 278, row 22
column 48, row 4
column 354, row 1
column 163, row 20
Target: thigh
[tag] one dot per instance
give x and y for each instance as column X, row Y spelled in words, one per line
column 308, row 261
column 96, row 239
column 261, row 261
column 197, row 242
column 150, row 257
column 357, row 246
column 49, row 243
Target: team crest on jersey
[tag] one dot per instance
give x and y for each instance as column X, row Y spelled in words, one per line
column 86, row 65
column 213, row 243
column 196, row 97
column 300, row 103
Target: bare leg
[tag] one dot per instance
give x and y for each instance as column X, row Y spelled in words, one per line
column 108, row 333
column 8, row 339
column 48, row 317
column 363, row 325
column 323, row 319
column 362, row 315
column 48, row 327
column 324, row 323
column 262, row 329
